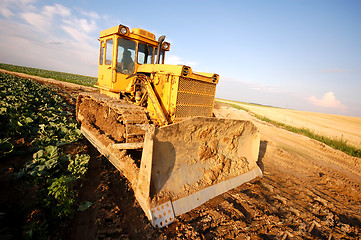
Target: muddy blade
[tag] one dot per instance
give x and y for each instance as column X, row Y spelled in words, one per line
column 187, row 163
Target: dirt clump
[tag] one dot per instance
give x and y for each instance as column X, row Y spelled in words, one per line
column 93, row 114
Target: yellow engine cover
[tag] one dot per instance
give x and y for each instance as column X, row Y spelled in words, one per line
column 181, row 92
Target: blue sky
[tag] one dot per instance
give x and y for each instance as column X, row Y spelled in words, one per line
column 297, row 54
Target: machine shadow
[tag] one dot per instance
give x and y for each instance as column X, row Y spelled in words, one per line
column 164, row 156
column 262, row 153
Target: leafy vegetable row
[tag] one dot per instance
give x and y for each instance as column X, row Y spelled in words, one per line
column 67, row 77
column 31, row 110
column 34, row 120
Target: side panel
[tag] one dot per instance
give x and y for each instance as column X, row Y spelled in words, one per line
column 122, row 84
column 182, row 97
column 162, row 85
column 181, row 92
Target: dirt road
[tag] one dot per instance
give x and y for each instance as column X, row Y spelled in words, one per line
column 308, row 191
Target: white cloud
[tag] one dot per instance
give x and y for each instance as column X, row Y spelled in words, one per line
column 51, row 18
column 175, row 60
column 38, row 21
column 91, row 14
column 56, row 9
column 7, row 13
column 82, row 25
column 8, row 8
column 75, row 34
column 43, row 20
column 48, row 36
column 327, row 100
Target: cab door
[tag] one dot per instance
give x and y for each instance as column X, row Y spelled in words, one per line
column 126, row 64
column 106, row 63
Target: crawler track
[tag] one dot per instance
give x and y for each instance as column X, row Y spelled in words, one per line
column 116, row 119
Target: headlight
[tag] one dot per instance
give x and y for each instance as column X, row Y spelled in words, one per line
column 123, row 30
column 166, row 46
column 215, row 77
column 185, row 71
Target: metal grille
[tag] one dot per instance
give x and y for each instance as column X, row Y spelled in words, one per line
column 194, row 98
column 190, row 85
column 192, row 111
column 189, row 98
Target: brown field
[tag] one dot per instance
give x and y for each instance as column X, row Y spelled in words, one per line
column 308, row 191
column 334, row 126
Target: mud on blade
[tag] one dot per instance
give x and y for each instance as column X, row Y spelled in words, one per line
column 187, row 163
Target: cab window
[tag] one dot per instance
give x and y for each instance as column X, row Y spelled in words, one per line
column 145, row 54
column 109, row 52
column 126, row 56
column 101, row 54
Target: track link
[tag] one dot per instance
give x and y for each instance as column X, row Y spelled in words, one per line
column 116, row 120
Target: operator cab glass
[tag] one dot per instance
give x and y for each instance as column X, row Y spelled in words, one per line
column 102, row 48
column 145, row 54
column 109, row 52
column 126, row 56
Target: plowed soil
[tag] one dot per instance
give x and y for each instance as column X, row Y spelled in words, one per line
column 308, row 191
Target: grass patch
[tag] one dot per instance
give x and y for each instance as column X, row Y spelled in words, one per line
column 239, row 107
column 245, row 103
column 66, row 77
column 339, row 144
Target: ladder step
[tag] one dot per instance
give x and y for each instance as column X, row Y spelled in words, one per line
column 136, row 145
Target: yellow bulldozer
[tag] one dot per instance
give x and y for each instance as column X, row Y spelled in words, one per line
column 154, row 122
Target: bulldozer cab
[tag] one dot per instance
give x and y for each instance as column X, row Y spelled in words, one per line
column 121, row 53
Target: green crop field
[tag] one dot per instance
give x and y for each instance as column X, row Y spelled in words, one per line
column 67, row 77
column 37, row 125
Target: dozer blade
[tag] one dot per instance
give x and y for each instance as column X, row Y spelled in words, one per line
column 187, row 163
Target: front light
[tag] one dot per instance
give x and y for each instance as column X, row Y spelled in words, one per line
column 185, row 71
column 166, row 46
column 123, row 30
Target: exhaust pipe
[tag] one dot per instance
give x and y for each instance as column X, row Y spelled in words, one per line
column 160, row 41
